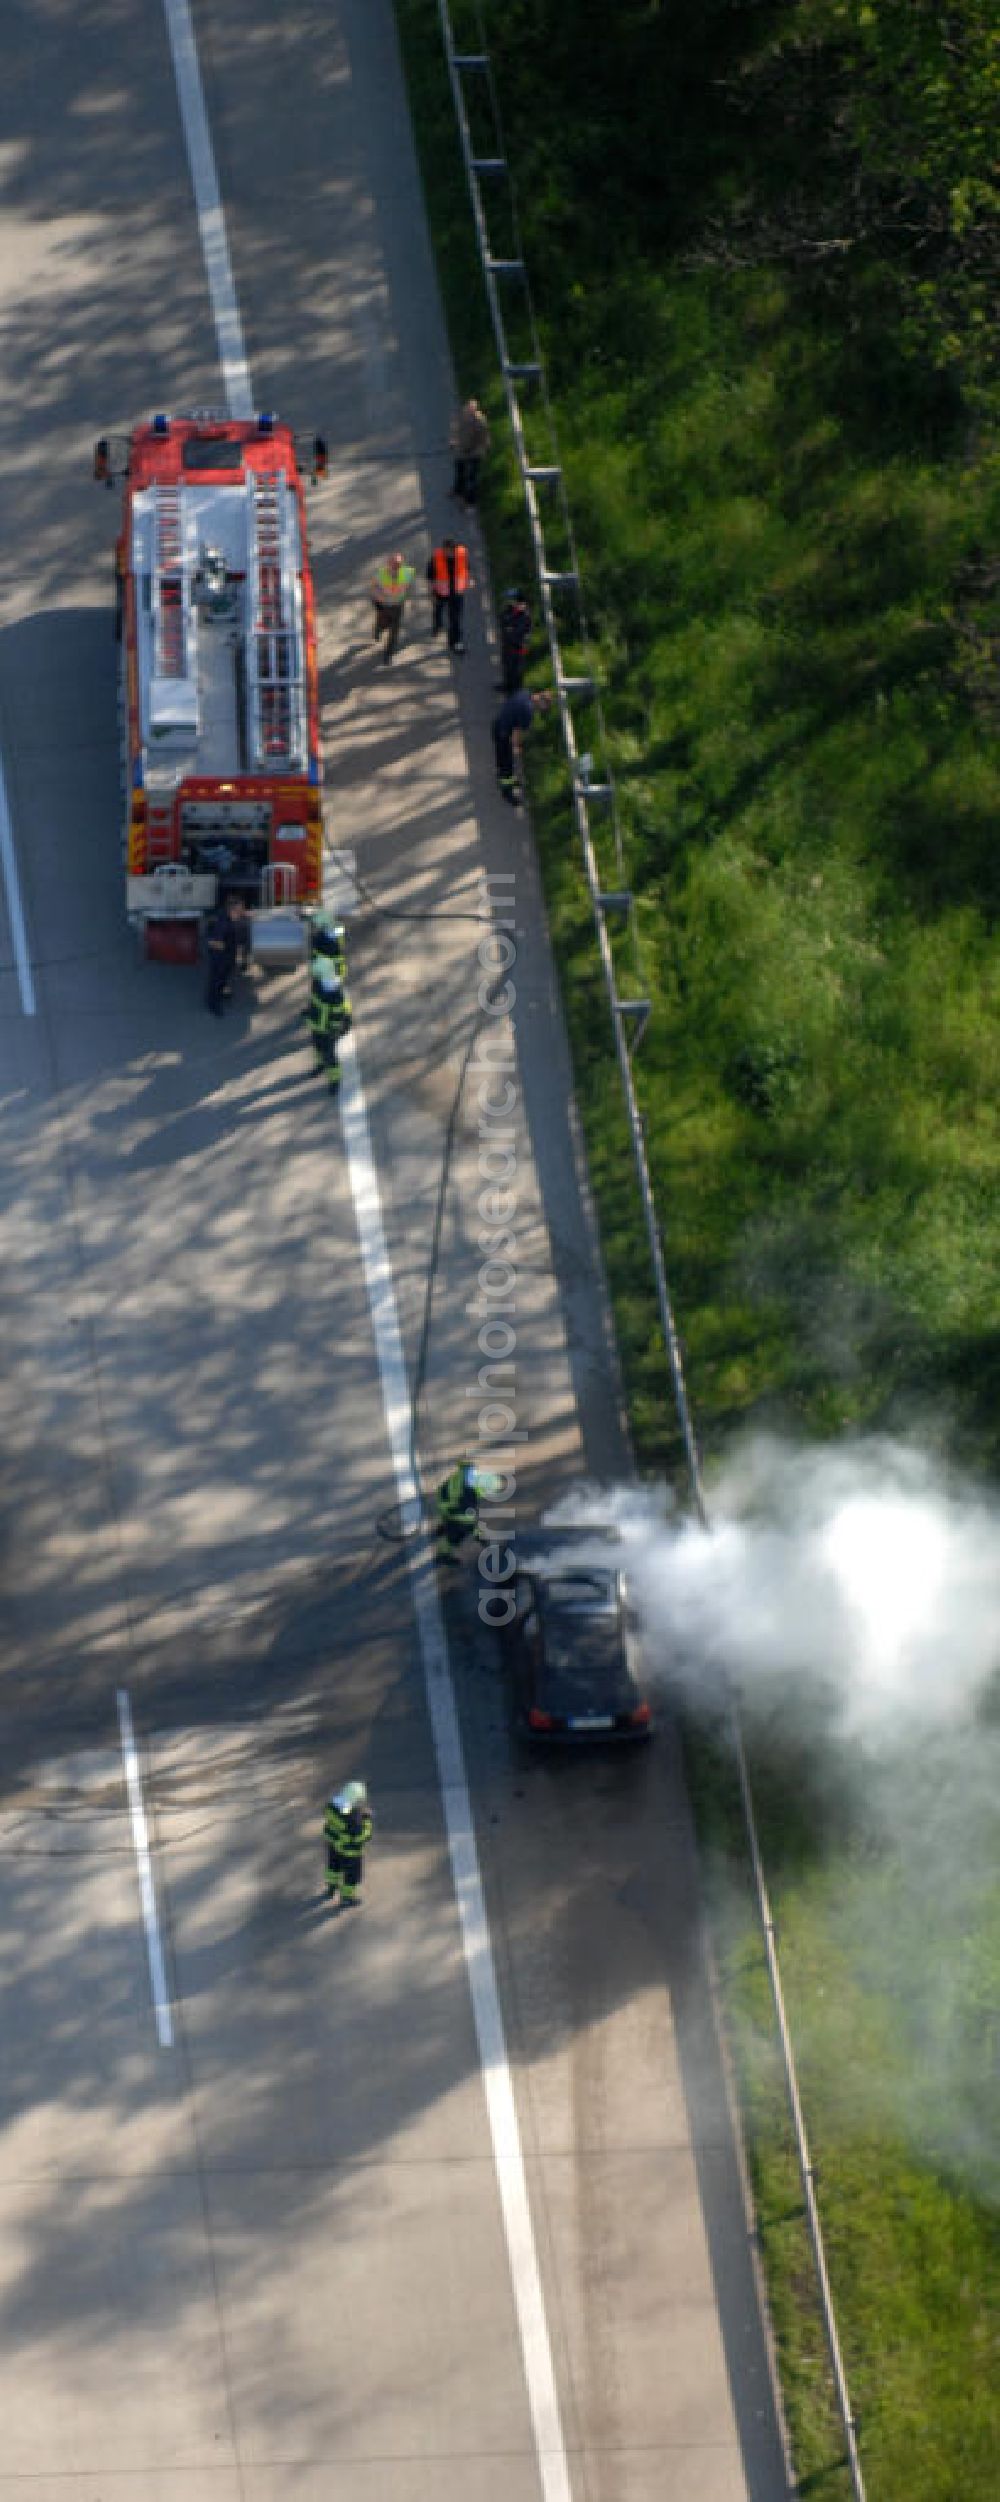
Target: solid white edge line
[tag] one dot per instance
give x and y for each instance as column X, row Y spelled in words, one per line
column 15, row 913
column 501, row 2111
column 208, row 204
column 147, row 1891
column 505, row 2136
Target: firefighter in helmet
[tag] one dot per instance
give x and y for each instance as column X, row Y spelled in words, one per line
column 347, row 1826
column 328, row 944
column 329, row 1016
column 457, row 1507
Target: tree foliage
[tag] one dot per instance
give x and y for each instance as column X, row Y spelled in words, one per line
column 853, row 142
column 901, row 102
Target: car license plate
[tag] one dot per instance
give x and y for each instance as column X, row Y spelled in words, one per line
column 592, row 1720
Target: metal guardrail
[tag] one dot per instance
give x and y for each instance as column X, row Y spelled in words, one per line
column 522, row 365
column 521, row 373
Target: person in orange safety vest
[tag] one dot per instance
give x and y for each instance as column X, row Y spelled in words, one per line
column 449, row 578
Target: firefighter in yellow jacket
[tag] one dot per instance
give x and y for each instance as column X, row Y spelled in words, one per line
column 329, row 1016
column 328, row 944
column 457, row 1507
column 347, row 1826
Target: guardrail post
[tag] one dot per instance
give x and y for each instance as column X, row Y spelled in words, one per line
column 637, row 1012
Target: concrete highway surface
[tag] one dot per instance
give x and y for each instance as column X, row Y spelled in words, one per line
column 443, row 2195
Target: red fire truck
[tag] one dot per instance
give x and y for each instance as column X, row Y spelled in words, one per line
column 219, row 705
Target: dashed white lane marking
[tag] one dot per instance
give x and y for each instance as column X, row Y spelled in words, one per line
column 15, row 913
column 147, row 1890
column 501, row 2110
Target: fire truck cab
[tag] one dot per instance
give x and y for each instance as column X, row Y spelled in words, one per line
column 222, row 770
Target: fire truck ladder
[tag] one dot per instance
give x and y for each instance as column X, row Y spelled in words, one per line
column 274, row 681
column 171, row 588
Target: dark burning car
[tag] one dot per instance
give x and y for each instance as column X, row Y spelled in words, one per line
column 571, row 1644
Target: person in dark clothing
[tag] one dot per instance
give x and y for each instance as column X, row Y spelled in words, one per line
column 515, row 632
column 449, row 577
column 509, row 729
column 347, row 1827
column 243, row 925
column 221, row 950
column 470, row 442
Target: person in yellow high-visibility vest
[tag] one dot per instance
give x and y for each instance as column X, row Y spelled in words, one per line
column 388, row 594
column 457, row 1506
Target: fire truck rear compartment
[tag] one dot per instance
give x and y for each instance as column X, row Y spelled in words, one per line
column 229, row 843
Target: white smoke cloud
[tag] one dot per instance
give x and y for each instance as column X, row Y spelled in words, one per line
column 858, row 1569
column 851, row 1596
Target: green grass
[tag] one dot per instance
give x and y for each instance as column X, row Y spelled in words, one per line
column 798, row 638
column 785, row 490
column 889, row 1937
column 812, row 800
